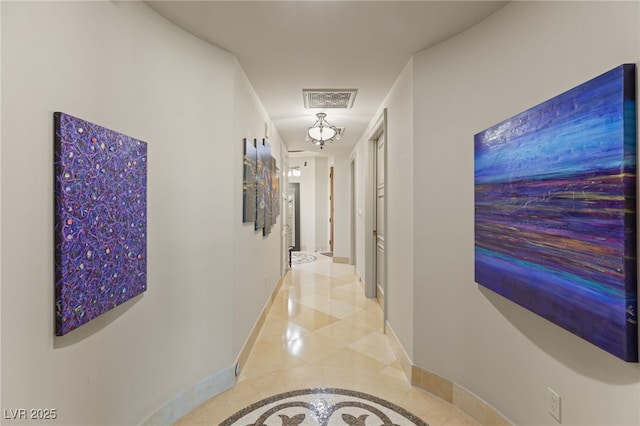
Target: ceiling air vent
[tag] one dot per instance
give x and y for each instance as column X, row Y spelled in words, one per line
column 329, row 98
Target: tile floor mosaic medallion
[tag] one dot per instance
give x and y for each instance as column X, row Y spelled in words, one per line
column 324, row 407
column 298, row 258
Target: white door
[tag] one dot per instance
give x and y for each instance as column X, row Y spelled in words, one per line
column 379, row 229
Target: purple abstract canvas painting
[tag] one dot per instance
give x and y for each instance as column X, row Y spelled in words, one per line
column 555, row 211
column 100, row 220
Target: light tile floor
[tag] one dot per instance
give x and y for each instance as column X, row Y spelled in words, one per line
column 322, row 332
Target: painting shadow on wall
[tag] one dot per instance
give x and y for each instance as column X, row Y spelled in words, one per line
column 96, row 325
column 565, row 347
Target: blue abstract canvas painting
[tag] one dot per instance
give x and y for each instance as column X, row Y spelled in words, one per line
column 100, row 220
column 555, row 210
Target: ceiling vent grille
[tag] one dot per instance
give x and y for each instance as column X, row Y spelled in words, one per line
column 329, row 98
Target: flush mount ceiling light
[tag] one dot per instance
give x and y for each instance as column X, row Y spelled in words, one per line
column 322, row 132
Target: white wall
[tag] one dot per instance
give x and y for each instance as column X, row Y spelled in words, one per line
column 400, row 217
column 0, row 210
column 360, row 157
column 341, row 206
column 120, row 65
column 524, row 54
column 399, row 185
column 322, row 204
column 257, row 259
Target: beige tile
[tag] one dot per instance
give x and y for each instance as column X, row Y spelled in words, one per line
column 375, row 345
column 273, row 325
column 348, row 374
column 477, row 408
column 343, row 278
column 366, row 319
column 310, row 290
column 289, row 380
column 394, row 372
column 312, row 319
column 312, row 347
column 353, row 360
column 463, row 420
column 284, row 333
column 353, row 296
column 267, row 357
column 338, row 309
column 314, row 300
column 344, row 332
column 285, row 308
column 433, row 383
column 304, row 377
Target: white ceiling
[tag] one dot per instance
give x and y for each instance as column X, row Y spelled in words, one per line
column 286, row 46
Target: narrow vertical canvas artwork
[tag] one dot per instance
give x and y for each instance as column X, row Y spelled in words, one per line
column 100, row 220
column 555, row 211
column 275, row 192
column 261, row 184
column 267, row 187
column 268, row 162
column 249, row 182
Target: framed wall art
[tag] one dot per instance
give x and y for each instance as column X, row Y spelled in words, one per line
column 100, row 220
column 262, row 176
column 555, row 210
column 249, row 182
column 269, row 218
column 266, row 186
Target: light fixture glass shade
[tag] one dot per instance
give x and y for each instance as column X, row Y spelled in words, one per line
column 322, row 131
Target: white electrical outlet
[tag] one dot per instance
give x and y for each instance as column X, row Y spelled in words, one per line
column 554, row 404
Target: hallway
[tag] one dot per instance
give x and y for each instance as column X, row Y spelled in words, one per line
column 322, row 332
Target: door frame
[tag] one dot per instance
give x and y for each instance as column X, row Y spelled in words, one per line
column 352, row 176
column 379, row 128
column 331, row 212
column 283, row 200
column 294, row 188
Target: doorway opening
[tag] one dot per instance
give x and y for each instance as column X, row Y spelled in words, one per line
column 293, row 216
column 376, row 238
column 331, row 218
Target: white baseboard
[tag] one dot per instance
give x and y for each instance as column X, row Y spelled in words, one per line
column 446, row 389
column 189, row 399
column 213, row 385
